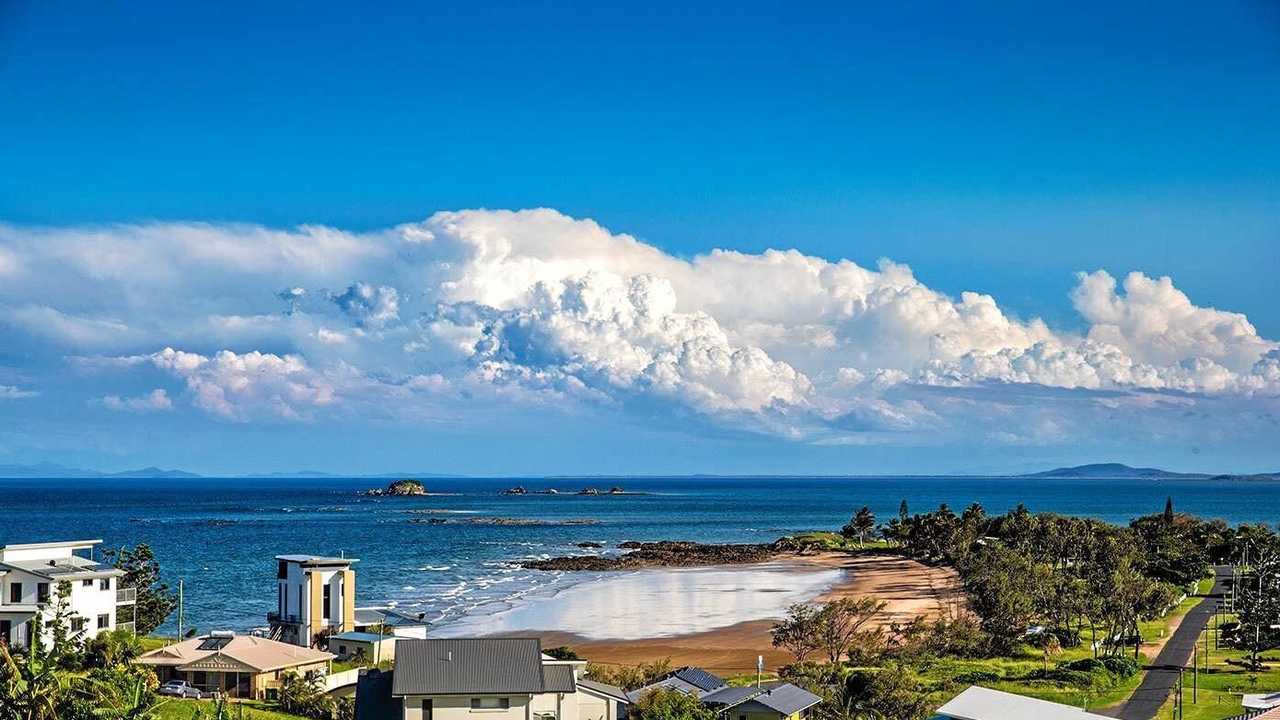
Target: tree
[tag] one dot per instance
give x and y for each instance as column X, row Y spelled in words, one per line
column 664, row 704
column 66, row 629
column 29, row 686
column 564, row 652
column 891, row 693
column 849, row 624
column 863, row 523
column 1168, row 509
column 798, row 633
column 155, row 601
column 629, row 677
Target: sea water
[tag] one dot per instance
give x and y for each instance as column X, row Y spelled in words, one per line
column 220, row 535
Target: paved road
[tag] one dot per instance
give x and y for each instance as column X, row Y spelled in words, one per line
column 1162, row 677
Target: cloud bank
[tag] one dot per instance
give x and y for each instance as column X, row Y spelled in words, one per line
column 481, row 308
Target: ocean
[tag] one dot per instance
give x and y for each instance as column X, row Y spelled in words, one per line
column 435, row 556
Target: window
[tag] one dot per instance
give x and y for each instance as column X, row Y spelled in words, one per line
column 42, row 592
column 77, row 624
column 104, row 584
column 87, row 582
column 104, row 621
column 326, row 609
column 15, row 592
column 490, row 703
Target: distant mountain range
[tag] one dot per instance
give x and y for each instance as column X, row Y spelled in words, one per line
column 1095, row 471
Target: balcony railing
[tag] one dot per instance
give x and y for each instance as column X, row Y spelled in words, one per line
column 126, row 595
column 126, row 626
column 275, row 617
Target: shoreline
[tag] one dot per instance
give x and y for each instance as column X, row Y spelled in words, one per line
column 909, row 588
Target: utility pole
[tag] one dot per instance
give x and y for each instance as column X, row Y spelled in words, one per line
column 1195, row 675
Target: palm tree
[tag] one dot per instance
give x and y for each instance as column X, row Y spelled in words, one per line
column 864, row 522
column 123, row 698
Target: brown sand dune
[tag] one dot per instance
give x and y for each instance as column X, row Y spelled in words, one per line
column 909, row 588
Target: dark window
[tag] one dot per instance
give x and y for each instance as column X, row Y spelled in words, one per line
column 490, row 703
column 280, row 598
column 42, row 592
column 5, row 627
column 15, row 592
column 87, row 582
column 327, row 609
column 104, row 584
column 104, row 621
column 78, row 623
column 282, row 571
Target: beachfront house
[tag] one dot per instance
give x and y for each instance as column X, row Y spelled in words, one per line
column 979, row 703
column 242, row 666
column 364, row 646
column 483, row 678
column 390, row 621
column 30, row 575
column 315, row 598
column 763, row 701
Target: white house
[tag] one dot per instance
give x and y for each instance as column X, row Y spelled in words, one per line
column 315, row 597
column 489, row 678
column 979, row 703
column 30, row 575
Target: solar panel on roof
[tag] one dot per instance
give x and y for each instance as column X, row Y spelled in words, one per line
column 214, row 643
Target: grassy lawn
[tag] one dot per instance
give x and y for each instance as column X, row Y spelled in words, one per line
column 827, row 540
column 1222, row 685
column 154, row 642
column 185, row 709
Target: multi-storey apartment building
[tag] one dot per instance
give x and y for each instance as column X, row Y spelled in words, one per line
column 315, row 597
column 31, row 574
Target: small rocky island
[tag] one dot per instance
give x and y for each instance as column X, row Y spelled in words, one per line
column 667, row 553
column 399, row 488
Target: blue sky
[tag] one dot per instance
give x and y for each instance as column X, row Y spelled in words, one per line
column 999, row 149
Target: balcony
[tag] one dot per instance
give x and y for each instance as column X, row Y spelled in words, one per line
column 126, row 596
column 278, row 619
column 126, row 626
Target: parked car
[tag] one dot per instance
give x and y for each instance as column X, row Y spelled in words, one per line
column 182, row 689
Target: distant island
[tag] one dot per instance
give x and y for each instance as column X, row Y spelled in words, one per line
column 1094, row 471
column 399, row 488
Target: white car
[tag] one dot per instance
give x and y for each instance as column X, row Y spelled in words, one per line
column 182, row 689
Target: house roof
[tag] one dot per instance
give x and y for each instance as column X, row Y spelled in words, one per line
column 387, row 616
column 63, row 568
column 786, row 698
column 731, row 696
column 362, row 637
column 469, row 665
column 255, row 654
column 979, row 703
column 558, row 678
column 310, row 560
column 600, row 688
column 73, row 544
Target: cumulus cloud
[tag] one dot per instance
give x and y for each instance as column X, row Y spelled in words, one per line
column 155, row 401
column 534, row 306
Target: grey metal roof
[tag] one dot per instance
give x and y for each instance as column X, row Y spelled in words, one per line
column 374, row 700
column 71, row 568
column 667, row 683
column 731, row 696
column 316, row 560
column 558, row 678
column 468, row 666
column 386, row 616
column 616, row 693
column 787, row 698
column 698, row 677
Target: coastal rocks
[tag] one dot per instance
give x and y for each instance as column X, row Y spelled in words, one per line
column 517, row 490
column 399, row 488
column 667, row 553
column 504, row 521
column 589, row 545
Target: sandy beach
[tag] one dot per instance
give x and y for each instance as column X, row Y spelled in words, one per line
column 910, row 589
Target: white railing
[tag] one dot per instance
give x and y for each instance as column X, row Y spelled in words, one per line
column 341, row 679
column 126, row 595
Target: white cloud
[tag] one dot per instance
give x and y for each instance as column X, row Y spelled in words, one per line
column 155, row 401
column 12, row 392
column 533, row 306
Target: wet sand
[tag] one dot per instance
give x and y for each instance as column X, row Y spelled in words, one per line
column 910, row 589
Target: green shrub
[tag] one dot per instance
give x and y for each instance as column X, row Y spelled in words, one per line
column 1084, row 665
column 1125, row 667
column 977, row 677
